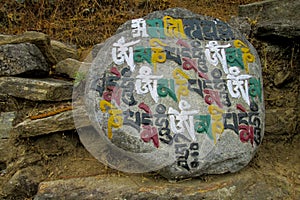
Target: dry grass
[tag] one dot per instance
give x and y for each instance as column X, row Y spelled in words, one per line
column 88, row 22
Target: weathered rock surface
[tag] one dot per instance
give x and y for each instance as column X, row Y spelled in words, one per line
column 41, row 40
column 95, row 50
column 180, row 146
column 50, row 124
column 70, row 67
column 37, row 89
column 6, row 119
column 7, row 103
column 242, row 24
column 274, row 18
column 23, row 58
column 62, row 51
column 59, row 122
column 281, row 121
column 25, row 182
column 4, row 150
column 135, row 187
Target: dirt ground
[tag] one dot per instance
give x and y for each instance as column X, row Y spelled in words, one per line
column 61, row 156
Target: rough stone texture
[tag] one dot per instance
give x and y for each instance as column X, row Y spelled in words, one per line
column 95, row 50
column 41, row 40
column 59, row 122
column 242, row 24
column 134, row 187
column 281, row 121
column 24, row 181
column 274, row 18
column 62, row 51
column 186, row 156
column 22, row 58
column 70, row 67
column 37, row 89
column 4, row 152
column 7, row 103
column 6, row 119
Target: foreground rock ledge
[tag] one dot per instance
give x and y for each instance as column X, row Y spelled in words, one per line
column 242, row 186
column 36, row 89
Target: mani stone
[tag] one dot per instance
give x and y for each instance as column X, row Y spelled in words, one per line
column 174, row 92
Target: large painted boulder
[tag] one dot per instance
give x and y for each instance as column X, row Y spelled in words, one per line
column 174, row 92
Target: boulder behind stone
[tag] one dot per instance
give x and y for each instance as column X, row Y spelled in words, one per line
column 274, row 18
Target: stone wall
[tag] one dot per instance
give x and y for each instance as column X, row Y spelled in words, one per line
column 35, row 100
column 37, row 137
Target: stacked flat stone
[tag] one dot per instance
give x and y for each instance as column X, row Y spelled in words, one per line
column 174, row 92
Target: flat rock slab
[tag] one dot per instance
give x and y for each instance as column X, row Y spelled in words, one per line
column 36, row 89
column 174, row 92
column 62, row 121
column 142, row 187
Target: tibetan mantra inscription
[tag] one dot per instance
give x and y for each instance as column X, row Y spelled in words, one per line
column 179, row 95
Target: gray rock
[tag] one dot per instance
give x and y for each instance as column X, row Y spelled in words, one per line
column 36, row 89
column 62, row 51
column 62, row 121
column 242, row 24
column 143, row 187
column 274, row 18
column 96, row 48
column 4, row 151
column 41, row 40
column 24, row 58
column 7, row 103
column 70, row 67
column 6, row 120
column 190, row 118
column 30, row 128
column 24, row 183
